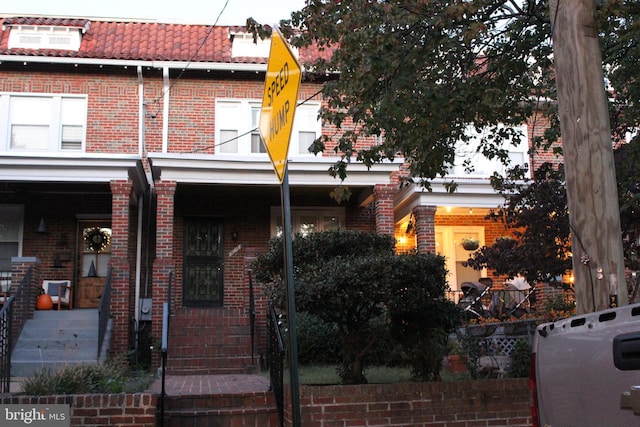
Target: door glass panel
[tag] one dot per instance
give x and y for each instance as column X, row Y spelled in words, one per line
column 203, row 255
column 96, row 251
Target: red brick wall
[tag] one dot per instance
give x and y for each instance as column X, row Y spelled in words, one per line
column 90, row 410
column 504, row 402
column 192, row 110
column 112, row 125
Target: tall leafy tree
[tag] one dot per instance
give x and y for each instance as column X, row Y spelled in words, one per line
column 421, row 72
column 537, row 219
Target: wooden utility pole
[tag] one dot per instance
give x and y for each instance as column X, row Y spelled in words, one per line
column 592, row 193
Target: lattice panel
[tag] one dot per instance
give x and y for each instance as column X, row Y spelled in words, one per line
column 499, row 344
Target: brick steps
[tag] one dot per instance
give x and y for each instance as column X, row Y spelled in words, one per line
column 211, row 365
column 247, row 409
column 210, row 343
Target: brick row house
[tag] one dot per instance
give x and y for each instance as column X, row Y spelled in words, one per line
column 134, row 146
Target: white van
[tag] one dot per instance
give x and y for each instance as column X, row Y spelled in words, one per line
column 584, row 368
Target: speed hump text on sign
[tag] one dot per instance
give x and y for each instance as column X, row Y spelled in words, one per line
column 279, row 101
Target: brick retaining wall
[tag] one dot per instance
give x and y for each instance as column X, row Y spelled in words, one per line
column 501, row 402
column 495, row 403
column 101, row 410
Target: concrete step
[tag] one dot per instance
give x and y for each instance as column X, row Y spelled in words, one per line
column 30, row 348
column 83, row 314
column 55, row 339
column 58, row 333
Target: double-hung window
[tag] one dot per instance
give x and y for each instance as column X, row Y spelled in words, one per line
column 11, row 224
column 307, row 220
column 482, row 166
column 42, row 123
column 237, row 132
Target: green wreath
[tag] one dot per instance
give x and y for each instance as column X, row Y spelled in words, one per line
column 97, row 239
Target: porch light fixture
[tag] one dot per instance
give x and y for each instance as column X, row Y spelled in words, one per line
column 411, row 225
column 42, row 228
column 234, row 236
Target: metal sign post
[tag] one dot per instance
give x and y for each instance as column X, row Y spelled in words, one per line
column 291, row 300
column 279, row 103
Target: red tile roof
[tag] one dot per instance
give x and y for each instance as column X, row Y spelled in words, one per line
column 144, row 41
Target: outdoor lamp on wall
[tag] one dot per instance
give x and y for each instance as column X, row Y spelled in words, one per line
column 42, row 228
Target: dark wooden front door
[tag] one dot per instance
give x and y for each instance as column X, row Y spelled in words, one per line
column 94, row 253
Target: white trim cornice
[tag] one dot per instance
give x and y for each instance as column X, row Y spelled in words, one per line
column 98, row 168
column 179, row 65
column 470, row 193
column 251, row 170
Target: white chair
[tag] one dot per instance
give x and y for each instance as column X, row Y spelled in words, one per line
column 60, row 292
column 5, row 288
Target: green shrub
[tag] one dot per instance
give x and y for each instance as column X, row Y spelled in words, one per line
column 520, row 360
column 107, row 377
column 318, row 342
column 355, row 281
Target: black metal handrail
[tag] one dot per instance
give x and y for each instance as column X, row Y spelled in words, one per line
column 104, row 312
column 6, row 344
column 13, row 315
column 252, row 318
column 276, row 361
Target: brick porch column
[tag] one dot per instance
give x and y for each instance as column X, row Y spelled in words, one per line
column 384, row 203
column 425, row 228
column 121, row 280
column 164, row 263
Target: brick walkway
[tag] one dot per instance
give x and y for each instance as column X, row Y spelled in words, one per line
column 194, row 385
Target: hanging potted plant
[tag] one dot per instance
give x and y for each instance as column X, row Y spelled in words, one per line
column 470, row 244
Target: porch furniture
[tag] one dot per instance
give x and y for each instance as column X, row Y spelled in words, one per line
column 60, row 292
column 5, row 288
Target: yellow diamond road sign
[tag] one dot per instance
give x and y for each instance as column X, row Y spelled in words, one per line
column 279, row 101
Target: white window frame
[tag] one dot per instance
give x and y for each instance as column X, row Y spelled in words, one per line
column 12, row 231
column 44, row 37
column 235, row 115
column 483, row 167
column 297, row 224
column 60, row 114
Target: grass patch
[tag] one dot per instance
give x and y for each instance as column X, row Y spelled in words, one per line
column 327, row 375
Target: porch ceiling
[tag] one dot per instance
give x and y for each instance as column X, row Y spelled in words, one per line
column 300, row 195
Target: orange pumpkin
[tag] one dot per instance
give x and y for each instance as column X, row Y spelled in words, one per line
column 44, row 302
